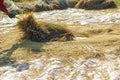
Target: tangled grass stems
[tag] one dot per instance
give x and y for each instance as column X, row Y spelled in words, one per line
column 44, row 31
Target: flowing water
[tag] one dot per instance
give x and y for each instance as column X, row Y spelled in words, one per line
column 53, row 68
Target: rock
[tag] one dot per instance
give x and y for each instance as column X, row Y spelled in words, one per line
column 22, row 67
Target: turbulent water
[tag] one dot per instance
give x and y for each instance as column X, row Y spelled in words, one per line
column 73, row 16
column 53, row 68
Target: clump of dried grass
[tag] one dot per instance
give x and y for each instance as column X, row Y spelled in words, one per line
column 54, row 4
column 26, row 7
column 45, row 5
column 95, row 4
column 43, row 31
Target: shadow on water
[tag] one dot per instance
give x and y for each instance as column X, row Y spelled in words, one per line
column 30, row 46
